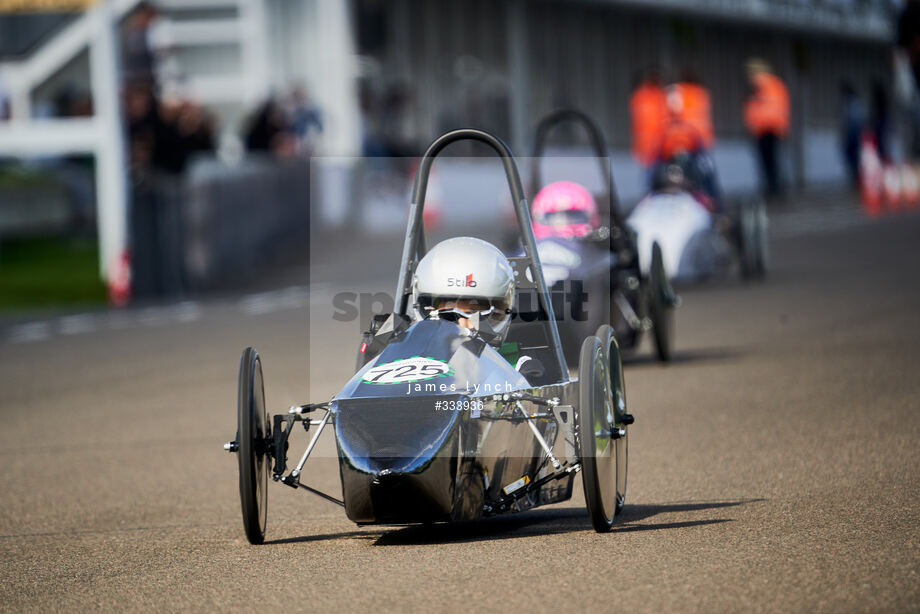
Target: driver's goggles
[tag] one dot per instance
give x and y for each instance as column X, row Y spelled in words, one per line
column 464, row 305
column 455, row 315
column 563, row 218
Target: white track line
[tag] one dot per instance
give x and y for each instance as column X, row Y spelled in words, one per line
column 84, row 323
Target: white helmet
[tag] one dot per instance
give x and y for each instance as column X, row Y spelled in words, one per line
column 470, row 269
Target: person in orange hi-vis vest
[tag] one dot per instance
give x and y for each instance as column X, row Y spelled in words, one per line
column 766, row 115
column 694, row 106
column 689, row 128
column 680, row 137
column 648, row 110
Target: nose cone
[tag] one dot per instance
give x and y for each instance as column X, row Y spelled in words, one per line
column 393, row 497
column 397, row 459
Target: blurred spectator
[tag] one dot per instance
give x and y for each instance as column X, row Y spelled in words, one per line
column 138, row 59
column 70, row 101
column 372, row 145
column 169, row 153
column 853, row 120
column 270, row 131
column 766, row 114
column 908, row 36
column 679, row 136
column 140, row 108
column 164, row 135
column 688, row 131
column 881, row 121
column 648, row 110
column 692, row 106
column 400, row 129
column 907, row 71
column 305, row 119
column 164, row 130
column 195, row 128
column 5, row 107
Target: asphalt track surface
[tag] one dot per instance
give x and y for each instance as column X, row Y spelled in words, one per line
column 773, row 465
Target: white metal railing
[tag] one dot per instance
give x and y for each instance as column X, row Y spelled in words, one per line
column 23, row 76
column 102, row 135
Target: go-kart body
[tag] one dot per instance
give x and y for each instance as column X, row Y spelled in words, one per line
column 623, row 284
column 578, row 273
column 697, row 240
column 437, row 424
column 691, row 243
column 420, row 437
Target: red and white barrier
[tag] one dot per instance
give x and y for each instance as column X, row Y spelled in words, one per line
column 871, row 177
column 910, row 186
column 891, row 186
column 119, row 280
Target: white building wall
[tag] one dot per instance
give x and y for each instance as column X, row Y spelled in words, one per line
column 311, row 44
column 463, row 71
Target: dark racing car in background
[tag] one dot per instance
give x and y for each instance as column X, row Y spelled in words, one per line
column 588, row 250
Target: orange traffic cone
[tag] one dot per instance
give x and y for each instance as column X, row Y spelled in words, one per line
column 870, row 178
column 119, row 280
column 910, row 186
column 891, row 186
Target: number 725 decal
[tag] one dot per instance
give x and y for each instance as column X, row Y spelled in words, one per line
column 406, row 371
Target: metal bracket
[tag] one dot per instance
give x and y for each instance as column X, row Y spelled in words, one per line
column 626, row 309
column 322, row 424
column 293, row 479
column 523, row 396
column 298, row 410
column 281, row 431
column 536, row 433
column 565, row 417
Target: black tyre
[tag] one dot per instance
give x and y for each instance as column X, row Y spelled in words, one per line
column 762, row 239
column 253, row 435
column 596, row 448
column 661, row 305
column 752, row 239
column 608, row 339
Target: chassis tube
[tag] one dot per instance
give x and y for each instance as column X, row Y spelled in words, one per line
column 310, row 447
column 414, row 246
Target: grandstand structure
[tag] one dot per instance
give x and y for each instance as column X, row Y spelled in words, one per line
column 494, row 65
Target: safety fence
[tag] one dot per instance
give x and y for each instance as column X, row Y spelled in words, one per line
column 217, row 226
